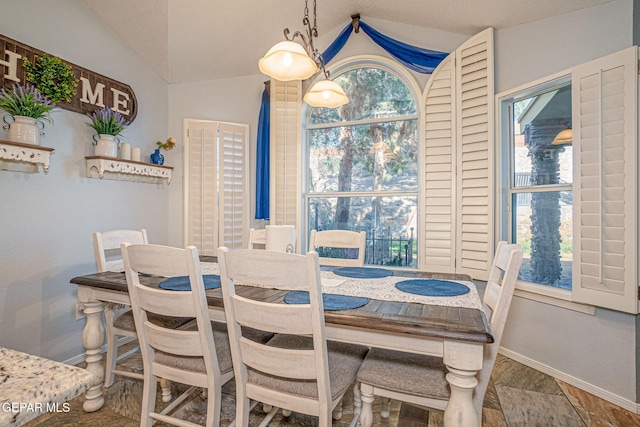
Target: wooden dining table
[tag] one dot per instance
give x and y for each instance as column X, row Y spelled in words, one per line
column 456, row 334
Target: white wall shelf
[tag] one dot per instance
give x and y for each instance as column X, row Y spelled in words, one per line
column 126, row 170
column 17, row 156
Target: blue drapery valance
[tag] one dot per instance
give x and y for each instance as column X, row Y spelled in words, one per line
column 415, row 58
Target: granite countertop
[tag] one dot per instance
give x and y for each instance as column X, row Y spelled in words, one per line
column 31, row 386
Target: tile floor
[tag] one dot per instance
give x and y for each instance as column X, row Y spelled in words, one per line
column 517, row 396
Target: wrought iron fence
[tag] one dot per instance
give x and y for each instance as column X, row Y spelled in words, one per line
column 385, row 248
column 382, row 248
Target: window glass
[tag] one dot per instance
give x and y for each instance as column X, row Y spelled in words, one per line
column 362, row 165
column 541, row 174
column 373, row 93
column 383, row 156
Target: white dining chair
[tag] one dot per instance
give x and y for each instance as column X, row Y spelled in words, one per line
column 196, row 354
column 339, row 239
column 119, row 320
column 257, row 237
column 421, row 380
column 297, row 370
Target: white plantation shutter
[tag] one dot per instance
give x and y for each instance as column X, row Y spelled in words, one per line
column 201, row 213
column 474, row 168
column 234, row 191
column 216, row 185
column 286, row 141
column 604, row 98
column 458, row 161
column 439, row 180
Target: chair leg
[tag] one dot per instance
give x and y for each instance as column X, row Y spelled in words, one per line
column 165, row 384
column 243, row 406
column 366, row 416
column 214, row 405
column 357, row 400
column 148, row 400
column 386, row 407
column 112, row 348
column 337, row 411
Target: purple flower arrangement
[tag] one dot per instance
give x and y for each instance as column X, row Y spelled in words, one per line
column 105, row 121
column 26, row 101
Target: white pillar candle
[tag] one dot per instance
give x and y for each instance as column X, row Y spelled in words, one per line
column 125, row 151
column 135, row 154
column 280, row 238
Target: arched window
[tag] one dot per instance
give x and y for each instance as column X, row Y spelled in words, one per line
column 362, row 162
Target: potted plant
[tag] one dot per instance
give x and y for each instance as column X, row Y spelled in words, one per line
column 26, row 107
column 108, row 124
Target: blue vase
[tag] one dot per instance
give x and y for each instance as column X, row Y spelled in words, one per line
column 157, row 158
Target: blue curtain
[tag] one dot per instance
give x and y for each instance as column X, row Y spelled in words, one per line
column 337, row 45
column 415, row 58
column 262, row 159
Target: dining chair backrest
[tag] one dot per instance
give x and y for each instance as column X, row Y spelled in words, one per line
column 497, row 299
column 339, row 239
column 284, row 270
column 257, row 237
column 106, row 245
column 185, row 355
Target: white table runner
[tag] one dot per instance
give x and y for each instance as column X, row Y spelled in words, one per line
column 382, row 289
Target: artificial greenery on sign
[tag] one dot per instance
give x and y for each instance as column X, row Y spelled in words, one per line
column 53, row 78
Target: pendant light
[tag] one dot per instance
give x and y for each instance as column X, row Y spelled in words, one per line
column 326, row 93
column 563, row 137
column 288, row 60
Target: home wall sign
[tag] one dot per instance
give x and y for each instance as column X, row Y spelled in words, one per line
column 93, row 91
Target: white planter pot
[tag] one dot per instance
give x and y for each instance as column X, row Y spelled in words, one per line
column 106, row 146
column 24, row 130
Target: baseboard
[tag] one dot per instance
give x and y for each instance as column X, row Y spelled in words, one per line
column 576, row 382
column 76, row 360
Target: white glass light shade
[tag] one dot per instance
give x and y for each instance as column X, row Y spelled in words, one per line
column 563, row 137
column 326, row 93
column 287, row 61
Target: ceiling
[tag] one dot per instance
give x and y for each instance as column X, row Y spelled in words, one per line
column 186, row 41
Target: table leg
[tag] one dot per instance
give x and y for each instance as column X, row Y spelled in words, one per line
column 463, row 360
column 93, row 339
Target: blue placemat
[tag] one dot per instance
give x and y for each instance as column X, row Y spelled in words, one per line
column 329, row 301
column 181, row 283
column 432, row 288
column 363, row 272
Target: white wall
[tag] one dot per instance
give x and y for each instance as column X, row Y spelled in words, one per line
column 46, row 220
column 601, row 349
